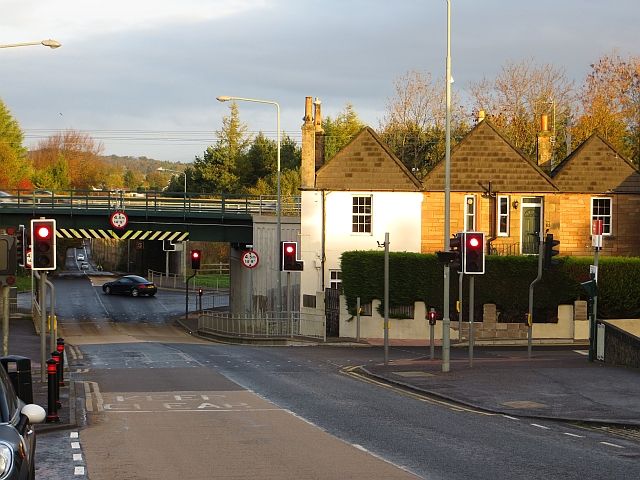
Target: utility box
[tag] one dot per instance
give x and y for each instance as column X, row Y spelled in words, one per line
column 19, row 370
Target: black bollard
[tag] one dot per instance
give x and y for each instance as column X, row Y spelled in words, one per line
column 52, row 379
column 56, row 357
column 60, row 349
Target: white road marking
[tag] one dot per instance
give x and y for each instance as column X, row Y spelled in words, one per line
column 582, row 352
column 75, row 445
column 510, row 417
column 573, row 435
column 611, row 445
column 77, row 457
column 78, row 471
column 73, row 435
column 540, row 426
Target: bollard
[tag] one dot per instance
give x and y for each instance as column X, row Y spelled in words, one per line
column 52, row 374
column 60, row 349
column 56, row 357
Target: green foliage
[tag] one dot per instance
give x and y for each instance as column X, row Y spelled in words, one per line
column 339, row 131
column 10, row 132
column 419, row 277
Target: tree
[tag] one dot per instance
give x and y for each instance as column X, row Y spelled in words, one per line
column 74, row 155
column 519, row 95
column 14, row 165
column 610, row 104
column 414, row 123
column 339, row 131
column 217, row 170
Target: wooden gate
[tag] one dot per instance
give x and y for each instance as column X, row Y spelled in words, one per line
column 332, row 311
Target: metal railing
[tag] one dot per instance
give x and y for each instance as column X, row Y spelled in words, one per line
column 271, row 325
column 176, row 281
column 150, row 201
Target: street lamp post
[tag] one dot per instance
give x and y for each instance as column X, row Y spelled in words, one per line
column 162, row 169
column 47, row 43
column 446, row 322
column 225, row 98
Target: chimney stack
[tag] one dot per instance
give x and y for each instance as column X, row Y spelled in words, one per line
column 307, row 169
column 319, row 133
column 544, row 147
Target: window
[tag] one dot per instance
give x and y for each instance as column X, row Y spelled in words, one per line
column 503, row 216
column 601, row 210
column 309, row 301
column 469, row 213
column 361, row 214
column 335, row 279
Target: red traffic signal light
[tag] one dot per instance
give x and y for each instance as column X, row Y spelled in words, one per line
column 289, row 257
column 196, row 255
column 473, row 253
column 43, row 237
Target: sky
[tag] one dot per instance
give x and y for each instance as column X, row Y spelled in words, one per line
column 141, row 77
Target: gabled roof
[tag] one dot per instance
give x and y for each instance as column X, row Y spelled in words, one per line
column 596, row 167
column 484, row 156
column 366, row 163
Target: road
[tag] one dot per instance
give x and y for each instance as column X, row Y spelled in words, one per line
column 161, row 404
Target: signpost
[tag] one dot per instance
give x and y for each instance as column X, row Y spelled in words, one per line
column 118, row 219
column 250, row 259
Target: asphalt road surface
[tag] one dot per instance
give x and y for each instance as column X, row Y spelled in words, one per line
column 161, row 404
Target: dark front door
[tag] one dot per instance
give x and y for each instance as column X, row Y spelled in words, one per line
column 332, row 311
column 531, row 225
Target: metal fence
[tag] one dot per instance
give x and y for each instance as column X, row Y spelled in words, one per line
column 267, row 326
column 176, row 281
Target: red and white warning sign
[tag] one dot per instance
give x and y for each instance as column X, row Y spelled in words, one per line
column 596, row 233
column 250, row 259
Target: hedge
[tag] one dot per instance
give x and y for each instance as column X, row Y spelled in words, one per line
column 419, row 277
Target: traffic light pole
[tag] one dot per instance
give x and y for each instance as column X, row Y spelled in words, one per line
column 593, row 324
column 530, row 314
column 186, row 297
column 472, row 282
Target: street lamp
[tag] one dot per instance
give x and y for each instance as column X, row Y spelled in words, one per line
column 162, row 169
column 47, row 43
column 224, row 98
column 446, row 341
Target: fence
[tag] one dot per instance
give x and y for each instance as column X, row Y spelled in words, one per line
column 271, row 325
column 13, row 301
column 177, row 281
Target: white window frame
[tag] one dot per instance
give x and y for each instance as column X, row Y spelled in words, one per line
column 607, row 220
column 356, row 217
column 335, row 279
column 503, row 199
column 470, row 213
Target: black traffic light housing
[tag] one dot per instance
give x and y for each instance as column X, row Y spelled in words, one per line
column 43, row 238
column 289, row 257
column 550, row 251
column 7, row 255
column 22, row 240
column 473, row 253
column 196, row 256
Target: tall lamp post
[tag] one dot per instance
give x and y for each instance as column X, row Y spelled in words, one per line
column 446, row 322
column 47, row 43
column 225, row 98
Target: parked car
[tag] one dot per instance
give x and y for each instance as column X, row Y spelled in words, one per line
column 80, row 257
column 133, row 285
column 17, row 436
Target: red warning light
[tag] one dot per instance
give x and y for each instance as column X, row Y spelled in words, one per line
column 43, row 231
column 474, row 242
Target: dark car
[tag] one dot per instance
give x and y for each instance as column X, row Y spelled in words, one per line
column 17, row 436
column 133, row 285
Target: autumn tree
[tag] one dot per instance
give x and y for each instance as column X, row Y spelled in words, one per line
column 414, row 122
column 340, row 130
column 70, row 159
column 519, row 95
column 610, row 104
column 15, row 168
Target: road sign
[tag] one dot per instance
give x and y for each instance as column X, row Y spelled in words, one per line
column 250, row 259
column 118, row 219
column 597, row 228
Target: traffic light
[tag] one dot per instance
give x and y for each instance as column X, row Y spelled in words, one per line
column 457, row 248
column 432, row 315
column 7, row 255
column 289, row 257
column 473, row 253
column 196, row 255
column 550, row 251
column 21, row 245
column 43, row 237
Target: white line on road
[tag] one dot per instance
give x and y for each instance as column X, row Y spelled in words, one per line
column 78, row 471
column 540, row 426
column 573, row 435
column 611, row 445
column 77, row 457
column 75, row 445
column 73, row 435
column 510, row 417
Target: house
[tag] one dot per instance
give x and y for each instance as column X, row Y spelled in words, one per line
column 365, row 191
